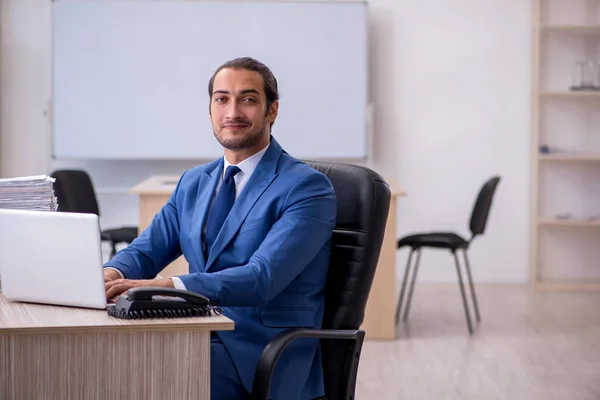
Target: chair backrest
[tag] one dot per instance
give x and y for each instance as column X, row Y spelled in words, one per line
column 363, row 202
column 74, row 191
column 481, row 209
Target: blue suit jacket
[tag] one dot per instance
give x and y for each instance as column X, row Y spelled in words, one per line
column 267, row 267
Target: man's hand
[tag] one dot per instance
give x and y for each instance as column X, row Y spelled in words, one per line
column 110, row 275
column 116, row 287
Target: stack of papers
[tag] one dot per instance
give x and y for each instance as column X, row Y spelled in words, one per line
column 34, row 193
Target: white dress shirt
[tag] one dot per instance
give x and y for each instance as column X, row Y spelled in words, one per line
column 247, row 168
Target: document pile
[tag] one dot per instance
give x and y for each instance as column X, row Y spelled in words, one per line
column 34, row 193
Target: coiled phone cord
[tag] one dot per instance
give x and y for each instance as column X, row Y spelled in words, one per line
column 159, row 313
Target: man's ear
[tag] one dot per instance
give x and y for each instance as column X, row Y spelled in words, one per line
column 272, row 116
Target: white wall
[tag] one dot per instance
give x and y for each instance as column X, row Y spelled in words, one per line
column 452, row 86
column 451, row 93
column 25, row 67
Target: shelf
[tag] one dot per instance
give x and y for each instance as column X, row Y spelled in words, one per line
column 567, row 117
column 567, row 285
column 568, row 222
column 572, row 29
column 572, row 94
column 569, row 157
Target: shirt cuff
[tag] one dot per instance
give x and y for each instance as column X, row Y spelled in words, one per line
column 178, row 283
column 120, row 273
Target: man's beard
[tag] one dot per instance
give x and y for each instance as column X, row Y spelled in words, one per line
column 246, row 141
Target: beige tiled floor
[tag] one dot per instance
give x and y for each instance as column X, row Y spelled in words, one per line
column 530, row 345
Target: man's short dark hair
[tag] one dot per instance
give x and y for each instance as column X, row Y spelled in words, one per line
column 250, row 64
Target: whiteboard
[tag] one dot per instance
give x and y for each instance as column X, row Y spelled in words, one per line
column 130, row 78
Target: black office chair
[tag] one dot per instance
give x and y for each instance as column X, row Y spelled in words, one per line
column 363, row 201
column 75, row 193
column 453, row 242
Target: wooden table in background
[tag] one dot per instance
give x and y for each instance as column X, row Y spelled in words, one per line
column 153, row 193
column 52, row 352
column 379, row 322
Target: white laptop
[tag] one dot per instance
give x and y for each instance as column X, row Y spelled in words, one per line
column 51, row 258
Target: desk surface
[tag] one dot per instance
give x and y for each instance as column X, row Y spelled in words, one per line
column 160, row 185
column 17, row 317
column 156, row 185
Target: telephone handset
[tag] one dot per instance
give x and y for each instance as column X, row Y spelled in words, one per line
column 159, row 302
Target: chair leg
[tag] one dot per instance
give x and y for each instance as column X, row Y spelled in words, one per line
column 403, row 287
column 113, row 251
column 412, row 285
column 462, row 292
column 468, row 267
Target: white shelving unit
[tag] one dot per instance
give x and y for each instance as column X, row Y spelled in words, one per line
column 565, row 252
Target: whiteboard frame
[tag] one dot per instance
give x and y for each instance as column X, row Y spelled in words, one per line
column 368, row 136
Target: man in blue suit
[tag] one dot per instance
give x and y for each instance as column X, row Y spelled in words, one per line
column 255, row 227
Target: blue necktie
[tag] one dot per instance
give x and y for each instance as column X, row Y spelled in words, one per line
column 221, row 206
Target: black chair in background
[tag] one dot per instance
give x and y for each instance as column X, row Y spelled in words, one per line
column 75, row 193
column 363, row 201
column 453, row 242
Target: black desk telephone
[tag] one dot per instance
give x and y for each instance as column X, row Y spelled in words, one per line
column 158, row 302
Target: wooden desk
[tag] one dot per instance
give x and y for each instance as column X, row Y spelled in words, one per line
column 153, row 193
column 380, row 314
column 51, row 352
column 379, row 320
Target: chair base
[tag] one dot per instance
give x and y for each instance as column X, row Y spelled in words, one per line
column 460, row 282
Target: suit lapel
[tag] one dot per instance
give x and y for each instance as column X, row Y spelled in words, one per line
column 206, row 189
column 262, row 177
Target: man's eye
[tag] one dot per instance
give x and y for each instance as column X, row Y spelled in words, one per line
column 220, row 99
column 250, row 99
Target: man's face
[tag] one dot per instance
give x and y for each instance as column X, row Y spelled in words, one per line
column 238, row 109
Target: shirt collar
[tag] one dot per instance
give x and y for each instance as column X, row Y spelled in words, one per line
column 249, row 164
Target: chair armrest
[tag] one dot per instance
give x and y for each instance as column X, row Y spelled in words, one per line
column 105, row 237
column 271, row 353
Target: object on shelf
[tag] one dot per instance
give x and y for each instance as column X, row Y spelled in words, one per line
column 580, row 218
column 547, row 149
column 585, row 76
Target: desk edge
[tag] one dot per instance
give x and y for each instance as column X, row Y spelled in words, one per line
column 216, row 326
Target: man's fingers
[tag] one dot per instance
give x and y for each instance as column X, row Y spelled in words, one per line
column 109, row 284
column 120, row 286
column 118, row 289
